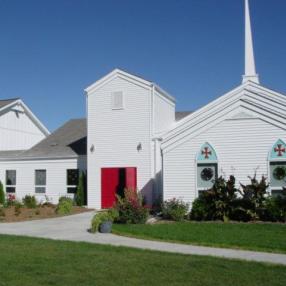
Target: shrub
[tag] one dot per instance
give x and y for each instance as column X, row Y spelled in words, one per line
column 130, row 208
column 254, row 197
column 30, row 202
column 64, row 206
column 11, row 200
column 174, row 209
column 2, row 194
column 200, row 210
column 101, row 217
column 79, row 196
column 275, row 209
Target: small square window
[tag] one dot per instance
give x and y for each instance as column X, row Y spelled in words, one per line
column 117, row 100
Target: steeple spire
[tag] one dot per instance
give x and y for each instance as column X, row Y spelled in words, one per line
column 250, row 71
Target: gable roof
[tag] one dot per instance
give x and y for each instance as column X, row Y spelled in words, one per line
column 130, row 77
column 68, row 141
column 269, row 105
column 5, row 104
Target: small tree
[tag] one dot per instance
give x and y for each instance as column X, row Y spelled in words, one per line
column 2, row 194
column 79, row 196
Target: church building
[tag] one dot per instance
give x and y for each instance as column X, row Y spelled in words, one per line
column 133, row 137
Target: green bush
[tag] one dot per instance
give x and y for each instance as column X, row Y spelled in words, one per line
column 200, row 210
column 64, row 206
column 79, row 196
column 30, row 202
column 254, row 197
column 221, row 202
column 175, row 209
column 130, row 208
column 2, row 194
column 101, row 217
column 275, row 209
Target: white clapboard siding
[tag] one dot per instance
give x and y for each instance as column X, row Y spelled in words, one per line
column 56, row 176
column 18, row 131
column 116, row 134
column 242, row 146
column 164, row 113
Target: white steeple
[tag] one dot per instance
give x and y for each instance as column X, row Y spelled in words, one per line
column 250, row 71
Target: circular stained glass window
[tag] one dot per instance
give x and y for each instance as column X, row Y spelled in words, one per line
column 279, row 173
column 207, row 174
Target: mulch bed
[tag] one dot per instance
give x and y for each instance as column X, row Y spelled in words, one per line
column 12, row 214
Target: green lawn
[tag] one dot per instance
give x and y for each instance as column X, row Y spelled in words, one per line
column 33, row 262
column 260, row 237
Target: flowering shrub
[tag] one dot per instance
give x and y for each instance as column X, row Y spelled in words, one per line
column 11, row 200
column 174, row 209
column 130, row 208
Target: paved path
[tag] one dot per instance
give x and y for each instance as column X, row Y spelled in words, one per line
column 74, row 228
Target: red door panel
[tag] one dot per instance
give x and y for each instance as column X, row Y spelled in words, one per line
column 131, row 178
column 109, row 183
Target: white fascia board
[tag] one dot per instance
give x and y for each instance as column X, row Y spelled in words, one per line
column 215, row 118
column 8, row 106
column 204, row 113
column 268, row 91
column 129, row 77
column 164, row 93
column 269, row 102
column 111, row 75
column 29, row 112
column 34, row 118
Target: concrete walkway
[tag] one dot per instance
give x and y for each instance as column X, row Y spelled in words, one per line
column 74, row 228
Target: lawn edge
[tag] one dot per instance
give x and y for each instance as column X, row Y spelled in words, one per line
column 116, row 232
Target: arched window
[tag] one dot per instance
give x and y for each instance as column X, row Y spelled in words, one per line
column 277, row 167
column 206, row 167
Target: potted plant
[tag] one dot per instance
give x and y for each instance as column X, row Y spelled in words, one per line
column 102, row 221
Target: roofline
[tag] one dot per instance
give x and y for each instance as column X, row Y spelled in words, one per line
column 41, row 158
column 133, row 77
column 30, row 113
column 202, row 113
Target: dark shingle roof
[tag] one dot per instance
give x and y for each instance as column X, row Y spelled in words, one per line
column 4, row 102
column 10, row 154
column 67, row 141
column 181, row 114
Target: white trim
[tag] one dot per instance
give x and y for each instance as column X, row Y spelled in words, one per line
column 30, row 114
column 213, row 113
column 127, row 76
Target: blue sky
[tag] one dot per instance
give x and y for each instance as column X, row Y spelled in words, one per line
column 50, row 50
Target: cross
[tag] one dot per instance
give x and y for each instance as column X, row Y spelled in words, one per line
column 280, row 150
column 206, row 152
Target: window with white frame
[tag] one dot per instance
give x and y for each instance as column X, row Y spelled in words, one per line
column 117, row 100
column 277, row 168
column 206, row 167
column 10, row 181
column 40, row 181
column 72, row 180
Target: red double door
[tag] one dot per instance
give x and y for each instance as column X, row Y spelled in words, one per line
column 114, row 181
